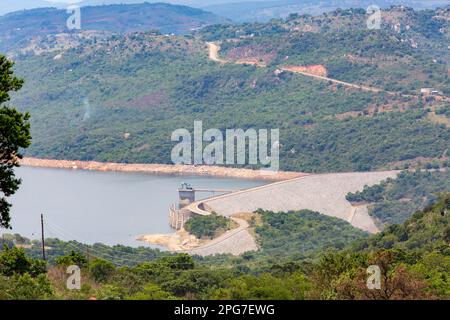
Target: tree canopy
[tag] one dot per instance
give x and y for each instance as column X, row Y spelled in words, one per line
column 14, row 135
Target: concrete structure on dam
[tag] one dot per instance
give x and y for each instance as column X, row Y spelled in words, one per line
column 180, row 213
column 324, row 193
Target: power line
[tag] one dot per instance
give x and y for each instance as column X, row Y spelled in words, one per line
column 101, row 254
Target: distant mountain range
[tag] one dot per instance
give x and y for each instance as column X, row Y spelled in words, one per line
column 236, row 10
column 19, row 28
column 8, row 6
column 263, row 11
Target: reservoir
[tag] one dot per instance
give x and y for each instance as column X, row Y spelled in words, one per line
column 106, row 207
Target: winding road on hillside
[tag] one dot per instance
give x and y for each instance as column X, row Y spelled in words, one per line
column 236, row 241
column 214, row 50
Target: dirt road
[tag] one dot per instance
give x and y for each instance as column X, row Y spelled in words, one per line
column 347, row 84
column 214, row 52
column 236, row 242
column 214, row 56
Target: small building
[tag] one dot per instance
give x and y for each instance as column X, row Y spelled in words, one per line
column 431, row 92
column 426, row 90
column 436, row 93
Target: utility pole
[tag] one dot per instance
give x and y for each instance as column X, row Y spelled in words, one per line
column 42, row 234
column 87, row 255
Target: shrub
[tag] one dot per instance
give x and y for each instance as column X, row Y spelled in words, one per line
column 207, row 226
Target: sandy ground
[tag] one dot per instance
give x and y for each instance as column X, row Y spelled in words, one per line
column 162, row 169
column 213, row 50
column 235, row 241
column 178, row 241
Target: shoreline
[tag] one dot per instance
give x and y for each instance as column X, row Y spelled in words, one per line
column 162, row 169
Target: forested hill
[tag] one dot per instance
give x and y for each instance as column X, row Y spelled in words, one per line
column 425, row 231
column 119, row 98
column 19, row 28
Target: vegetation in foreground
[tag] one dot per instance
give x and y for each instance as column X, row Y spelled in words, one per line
column 414, row 259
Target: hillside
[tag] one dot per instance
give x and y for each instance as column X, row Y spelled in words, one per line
column 22, row 28
column 14, row 5
column 119, row 98
column 302, row 234
column 395, row 200
column 425, row 231
column 408, row 53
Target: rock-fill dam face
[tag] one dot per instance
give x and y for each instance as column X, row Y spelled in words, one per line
column 324, row 193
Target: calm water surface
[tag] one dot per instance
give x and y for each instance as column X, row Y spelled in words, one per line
column 108, row 207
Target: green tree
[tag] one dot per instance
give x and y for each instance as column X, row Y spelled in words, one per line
column 151, row 292
column 25, row 287
column 110, row 292
column 73, row 258
column 207, row 226
column 101, row 270
column 14, row 134
column 14, row 261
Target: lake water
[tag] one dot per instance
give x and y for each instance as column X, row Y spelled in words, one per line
column 107, row 207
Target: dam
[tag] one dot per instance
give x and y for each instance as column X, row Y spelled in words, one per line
column 180, row 213
column 324, row 193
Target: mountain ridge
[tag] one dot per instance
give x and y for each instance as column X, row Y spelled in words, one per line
column 112, row 19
